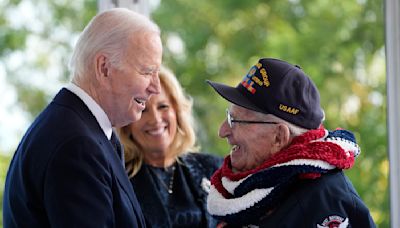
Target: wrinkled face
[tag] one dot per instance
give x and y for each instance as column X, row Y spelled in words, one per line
column 131, row 85
column 156, row 130
column 252, row 144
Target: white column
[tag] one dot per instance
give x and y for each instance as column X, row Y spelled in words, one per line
column 392, row 26
column 140, row 6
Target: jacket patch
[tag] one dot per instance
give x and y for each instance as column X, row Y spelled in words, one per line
column 205, row 184
column 334, row 221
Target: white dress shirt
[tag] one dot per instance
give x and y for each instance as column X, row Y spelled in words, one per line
column 96, row 110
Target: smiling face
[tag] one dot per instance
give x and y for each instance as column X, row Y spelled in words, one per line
column 127, row 88
column 252, row 144
column 156, row 130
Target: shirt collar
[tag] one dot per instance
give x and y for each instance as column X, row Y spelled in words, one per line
column 96, row 110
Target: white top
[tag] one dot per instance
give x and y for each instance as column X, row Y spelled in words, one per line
column 96, row 110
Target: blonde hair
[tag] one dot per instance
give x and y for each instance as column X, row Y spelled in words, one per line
column 184, row 140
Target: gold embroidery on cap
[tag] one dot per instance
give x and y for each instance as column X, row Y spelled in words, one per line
column 257, row 80
column 265, row 77
column 250, row 79
column 288, row 109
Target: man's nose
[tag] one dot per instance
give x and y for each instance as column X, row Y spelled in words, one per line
column 155, row 86
column 224, row 129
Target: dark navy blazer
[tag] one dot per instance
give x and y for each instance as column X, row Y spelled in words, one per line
column 65, row 173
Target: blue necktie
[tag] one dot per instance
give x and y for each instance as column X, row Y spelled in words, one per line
column 117, row 147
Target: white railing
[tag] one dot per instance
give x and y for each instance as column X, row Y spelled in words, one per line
column 392, row 29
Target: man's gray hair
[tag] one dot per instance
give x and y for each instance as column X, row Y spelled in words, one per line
column 107, row 32
column 294, row 129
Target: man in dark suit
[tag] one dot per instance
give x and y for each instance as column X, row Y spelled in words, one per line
column 66, row 172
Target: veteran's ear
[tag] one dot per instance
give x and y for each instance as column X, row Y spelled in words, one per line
column 282, row 137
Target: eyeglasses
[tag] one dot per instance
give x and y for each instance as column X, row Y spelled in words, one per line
column 231, row 120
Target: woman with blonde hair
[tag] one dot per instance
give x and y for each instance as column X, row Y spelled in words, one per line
column 170, row 179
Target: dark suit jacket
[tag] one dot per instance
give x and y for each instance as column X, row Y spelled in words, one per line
column 65, row 173
column 197, row 168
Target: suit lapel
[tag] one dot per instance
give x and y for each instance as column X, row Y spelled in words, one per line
column 67, row 98
column 120, row 173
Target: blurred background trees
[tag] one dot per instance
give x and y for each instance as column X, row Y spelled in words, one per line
column 340, row 44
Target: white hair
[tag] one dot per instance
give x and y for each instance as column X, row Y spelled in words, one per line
column 294, row 129
column 107, row 32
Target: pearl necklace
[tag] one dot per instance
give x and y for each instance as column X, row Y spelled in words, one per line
column 170, row 186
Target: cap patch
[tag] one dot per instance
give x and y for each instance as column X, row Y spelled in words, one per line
column 250, row 78
column 248, row 82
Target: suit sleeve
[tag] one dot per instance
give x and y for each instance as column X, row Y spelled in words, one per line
column 77, row 187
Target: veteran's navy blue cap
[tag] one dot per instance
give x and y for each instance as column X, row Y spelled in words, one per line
column 273, row 86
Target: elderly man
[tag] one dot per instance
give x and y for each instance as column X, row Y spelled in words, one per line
column 68, row 169
column 284, row 168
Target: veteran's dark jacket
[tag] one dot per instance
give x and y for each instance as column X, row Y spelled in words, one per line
column 65, row 173
column 323, row 202
column 197, row 169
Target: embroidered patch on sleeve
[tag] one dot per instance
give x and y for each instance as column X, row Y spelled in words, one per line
column 334, row 221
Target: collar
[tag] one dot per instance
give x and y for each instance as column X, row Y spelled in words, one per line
column 95, row 108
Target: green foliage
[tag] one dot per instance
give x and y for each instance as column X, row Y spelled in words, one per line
column 62, row 17
column 338, row 43
column 32, row 99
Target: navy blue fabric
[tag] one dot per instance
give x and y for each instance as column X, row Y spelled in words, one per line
column 65, row 173
column 310, row 202
column 188, row 190
column 117, row 147
column 267, row 178
column 272, row 177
